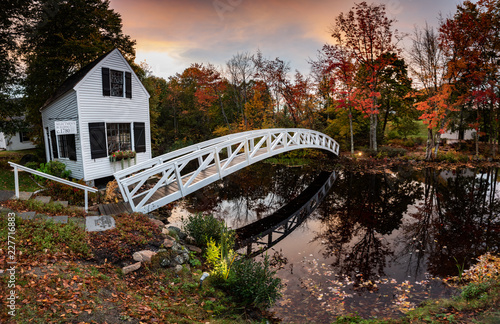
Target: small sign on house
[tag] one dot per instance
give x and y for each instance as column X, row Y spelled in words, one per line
column 65, row 127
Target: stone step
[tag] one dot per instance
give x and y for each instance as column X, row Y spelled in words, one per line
column 43, row 199
column 24, row 195
column 61, row 202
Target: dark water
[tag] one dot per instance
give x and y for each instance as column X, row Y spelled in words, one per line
column 377, row 244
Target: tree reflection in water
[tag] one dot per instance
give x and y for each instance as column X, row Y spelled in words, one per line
column 360, row 210
column 457, row 220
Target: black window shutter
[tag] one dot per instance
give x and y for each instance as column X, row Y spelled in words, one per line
column 55, row 155
column 71, row 147
column 97, row 134
column 106, row 87
column 128, row 84
column 139, row 137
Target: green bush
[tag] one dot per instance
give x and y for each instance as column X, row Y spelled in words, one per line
column 204, row 228
column 474, row 290
column 55, row 168
column 254, row 283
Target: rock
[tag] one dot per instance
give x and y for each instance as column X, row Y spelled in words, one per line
column 177, row 230
column 193, row 248
column 178, row 268
column 182, row 258
column 99, row 223
column 164, row 231
column 168, row 242
column 143, row 256
column 131, row 267
column 157, row 222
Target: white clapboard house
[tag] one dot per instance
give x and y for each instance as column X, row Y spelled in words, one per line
column 98, row 111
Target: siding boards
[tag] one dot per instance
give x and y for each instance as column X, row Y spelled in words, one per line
column 65, row 108
column 94, row 107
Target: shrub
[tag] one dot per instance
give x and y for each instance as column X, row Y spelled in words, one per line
column 204, row 228
column 254, row 283
column 73, row 195
column 220, row 255
column 55, row 168
column 474, row 290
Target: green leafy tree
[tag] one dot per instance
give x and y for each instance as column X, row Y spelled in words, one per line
column 58, row 44
column 12, row 13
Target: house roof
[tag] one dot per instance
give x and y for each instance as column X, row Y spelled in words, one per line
column 73, row 80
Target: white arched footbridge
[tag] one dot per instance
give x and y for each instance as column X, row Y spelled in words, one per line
column 166, row 178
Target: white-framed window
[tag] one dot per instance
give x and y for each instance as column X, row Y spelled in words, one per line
column 118, row 137
column 67, row 146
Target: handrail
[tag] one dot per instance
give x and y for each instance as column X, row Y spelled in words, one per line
column 51, row 177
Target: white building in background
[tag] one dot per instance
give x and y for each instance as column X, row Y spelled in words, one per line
column 101, row 109
column 17, row 142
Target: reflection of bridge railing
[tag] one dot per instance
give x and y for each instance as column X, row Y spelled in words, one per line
column 155, row 183
column 267, row 232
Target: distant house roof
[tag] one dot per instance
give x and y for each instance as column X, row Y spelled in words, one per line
column 73, row 80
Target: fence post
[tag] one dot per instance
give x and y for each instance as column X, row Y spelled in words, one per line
column 16, row 180
column 86, row 200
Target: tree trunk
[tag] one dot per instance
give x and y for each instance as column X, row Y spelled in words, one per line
column 437, row 142
column 351, row 131
column 430, row 145
column 373, row 132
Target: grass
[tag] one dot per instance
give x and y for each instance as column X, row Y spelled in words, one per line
column 59, row 281
column 26, row 183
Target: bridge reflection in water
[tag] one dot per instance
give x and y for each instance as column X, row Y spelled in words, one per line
column 260, row 236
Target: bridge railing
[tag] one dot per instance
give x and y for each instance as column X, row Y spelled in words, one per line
column 194, row 168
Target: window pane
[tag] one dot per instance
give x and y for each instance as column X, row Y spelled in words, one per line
column 118, row 137
column 116, row 83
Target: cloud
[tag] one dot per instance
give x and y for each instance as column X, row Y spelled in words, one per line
column 213, row 31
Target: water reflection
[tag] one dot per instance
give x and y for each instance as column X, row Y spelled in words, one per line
column 269, row 231
column 376, row 239
column 456, row 220
column 362, row 209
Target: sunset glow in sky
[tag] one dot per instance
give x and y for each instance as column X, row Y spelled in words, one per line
column 172, row 34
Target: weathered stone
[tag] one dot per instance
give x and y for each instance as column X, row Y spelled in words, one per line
column 157, row 222
column 178, row 231
column 99, row 223
column 193, row 248
column 24, row 195
column 41, row 216
column 131, row 267
column 168, row 242
column 164, row 231
column 27, row 215
column 178, row 268
column 190, row 240
column 43, row 199
column 62, row 203
column 60, row 219
column 6, row 195
column 143, row 256
column 182, row 258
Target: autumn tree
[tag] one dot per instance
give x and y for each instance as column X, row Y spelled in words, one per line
column 473, row 63
column 58, row 44
column 429, row 68
column 241, row 70
column 334, row 71
column 367, row 32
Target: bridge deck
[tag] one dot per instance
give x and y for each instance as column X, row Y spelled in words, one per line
column 173, row 187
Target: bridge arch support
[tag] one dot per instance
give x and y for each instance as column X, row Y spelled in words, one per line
column 166, row 178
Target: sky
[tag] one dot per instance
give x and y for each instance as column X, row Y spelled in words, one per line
column 173, row 34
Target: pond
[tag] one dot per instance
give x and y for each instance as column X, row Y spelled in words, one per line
column 374, row 244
